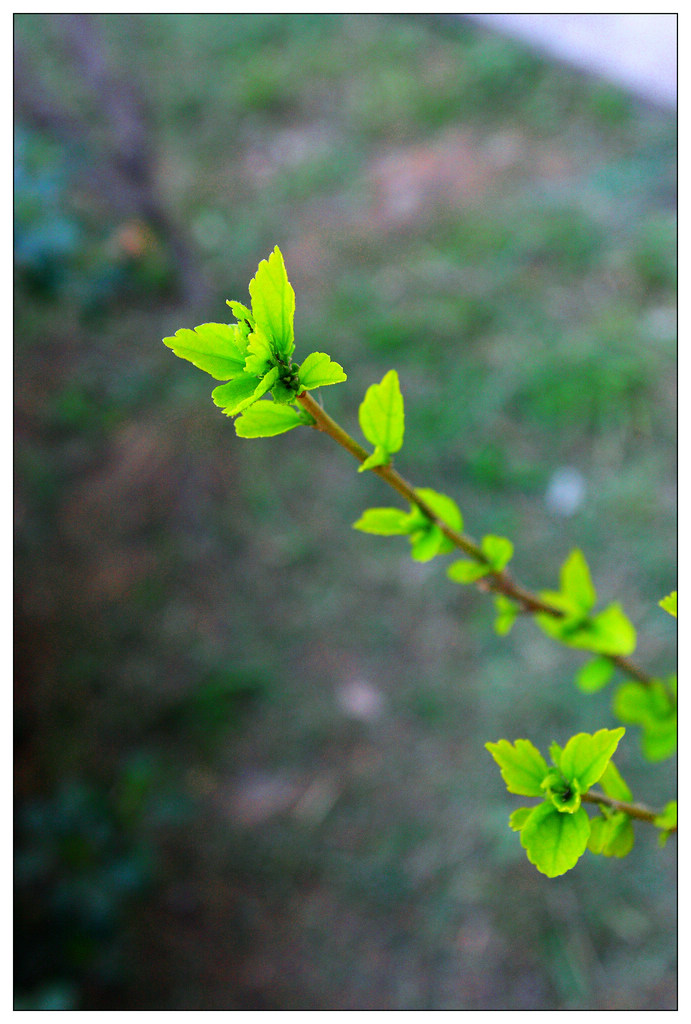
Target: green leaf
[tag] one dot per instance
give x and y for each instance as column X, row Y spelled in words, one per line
column 563, row 793
column 273, row 304
column 575, row 581
column 608, row 632
column 611, row 834
column 239, row 394
column 613, row 785
column 612, row 632
column 654, row 709
column 554, row 841
column 585, row 756
column 241, row 313
column 465, row 571
column 667, row 821
column 215, row 348
column 318, row 370
column 555, row 752
column 427, row 543
column 444, row 507
column 259, row 358
column 386, row 522
column 669, row 603
column 507, row 612
column 230, row 397
column 381, row 414
column 379, row 457
column 519, row 817
column 499, row 551
column 267, row 419
column 521, row 764
column 594, row 674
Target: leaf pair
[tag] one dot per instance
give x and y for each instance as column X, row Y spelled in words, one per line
column 426, row 536
column 606, row 632
column 254, row 356
column 497, row 550
column 556, row 832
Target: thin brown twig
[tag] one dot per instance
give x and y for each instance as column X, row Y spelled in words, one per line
column 498, row 582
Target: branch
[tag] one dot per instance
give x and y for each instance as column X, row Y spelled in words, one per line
column 497, row 582
column 633, row 810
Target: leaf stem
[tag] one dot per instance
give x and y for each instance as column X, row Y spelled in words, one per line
column 497, row 582
column 633, row 810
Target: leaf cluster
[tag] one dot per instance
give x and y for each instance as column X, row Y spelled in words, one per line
column 426, row 536
column 607, row 632
column 254, row 356
column 557, row 831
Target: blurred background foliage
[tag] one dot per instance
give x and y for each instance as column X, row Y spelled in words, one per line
column 249, row 741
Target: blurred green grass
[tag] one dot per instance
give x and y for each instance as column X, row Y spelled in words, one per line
column 503, row 233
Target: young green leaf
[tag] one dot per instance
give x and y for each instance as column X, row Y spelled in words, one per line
column 554, row 841
column 595, row 674
column 611, row 834
column 243, row 392
column 667, row 821
column 241, row 313
column 259, row 358
column 215, row 348
column 318, row 370
column 230, row 397
column 444, row 507
column 498, row 550
column 564, row 794
column 522, row 766
column 273, row 304
column 427, row 543
column 386, row 522
column 585, row 756
column 519, row 817
column 576, row 583
column 465, row 571
column 669, row 603
column 613, row 785
column 382, row 419
column 426, row 537
column 654, row 709
column 267, row 419
column 507, row 612
column 607, row 632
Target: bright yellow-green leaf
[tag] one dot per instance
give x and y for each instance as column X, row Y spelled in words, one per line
column 381, row 414
column 498, row 550
column 273, row 303
column 386, row 522
column 215, row 348
column 613, row 784
column 611, row 834
column 519, row 817
column 522, row 766
column 595, row 674
column 575, row 581
column 465, row 571
column 554, row 841
column 585, row 756
column 669, row 603
column 267, row 419
column 318, row 370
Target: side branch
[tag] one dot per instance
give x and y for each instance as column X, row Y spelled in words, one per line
column 497, row 582
column 633, row 810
